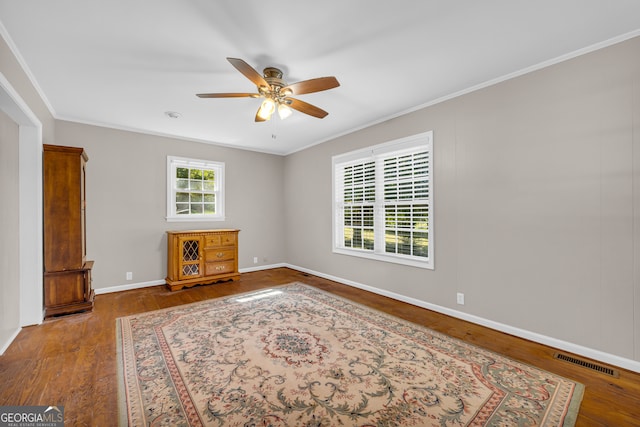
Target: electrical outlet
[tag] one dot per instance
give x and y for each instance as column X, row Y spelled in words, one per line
column 129, row 275
column 255, row 259
column 460, row 298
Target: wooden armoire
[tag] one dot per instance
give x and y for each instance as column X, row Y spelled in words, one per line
column 67, row 273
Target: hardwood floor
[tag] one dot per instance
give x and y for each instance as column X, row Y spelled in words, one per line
column 71, row 360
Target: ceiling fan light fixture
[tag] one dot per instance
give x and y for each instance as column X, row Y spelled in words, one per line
column 267, row 108
column 284, row 111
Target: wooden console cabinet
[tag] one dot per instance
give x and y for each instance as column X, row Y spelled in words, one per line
column 67, row 273
column 198, row 257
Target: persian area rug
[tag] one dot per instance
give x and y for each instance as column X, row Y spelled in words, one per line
column 298, row 356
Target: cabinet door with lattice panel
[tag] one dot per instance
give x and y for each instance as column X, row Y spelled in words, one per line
column 190, row 253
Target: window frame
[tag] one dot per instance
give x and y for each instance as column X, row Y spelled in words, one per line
column 173, row 162
column 403, row 146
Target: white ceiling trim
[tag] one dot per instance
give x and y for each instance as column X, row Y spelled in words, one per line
column 163, row 135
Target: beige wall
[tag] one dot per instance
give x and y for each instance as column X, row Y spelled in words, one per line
column 536, row 212
column 126, row 201
column 9, row 224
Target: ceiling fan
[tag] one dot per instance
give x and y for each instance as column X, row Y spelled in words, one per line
column 276, row 92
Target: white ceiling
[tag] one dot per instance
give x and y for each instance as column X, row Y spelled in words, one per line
column 124, row 63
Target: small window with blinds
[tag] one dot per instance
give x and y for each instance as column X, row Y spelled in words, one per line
column 383, row 202
column 195, row 190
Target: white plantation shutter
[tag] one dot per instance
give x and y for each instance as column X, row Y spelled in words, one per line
column 382, row 202
column 359, row 196
column 406, row 203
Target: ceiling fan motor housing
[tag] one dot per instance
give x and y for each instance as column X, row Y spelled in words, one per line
column 273, row 76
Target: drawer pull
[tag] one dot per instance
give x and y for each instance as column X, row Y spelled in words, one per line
column 220, row 267
column 220, row 254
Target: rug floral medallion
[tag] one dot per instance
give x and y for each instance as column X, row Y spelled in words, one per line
column 298, row 356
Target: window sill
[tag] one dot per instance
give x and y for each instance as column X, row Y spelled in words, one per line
column 195, row 219
column 427, row 264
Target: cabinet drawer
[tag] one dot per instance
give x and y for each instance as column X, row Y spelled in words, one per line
column 212, row 241
column 220, row 240
column 219, row 254
column 214, row 268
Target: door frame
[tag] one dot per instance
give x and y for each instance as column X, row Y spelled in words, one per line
column 30, row 203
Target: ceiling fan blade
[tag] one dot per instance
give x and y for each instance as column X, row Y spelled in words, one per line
column 312, row 85
column 306, row 108
column 249, row 72
column 228, row 95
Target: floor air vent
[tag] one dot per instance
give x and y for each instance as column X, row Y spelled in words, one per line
column 587, row 364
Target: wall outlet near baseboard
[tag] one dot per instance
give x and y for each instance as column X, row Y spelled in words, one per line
column 460, row 298
column 129, row 275
column 255, row 259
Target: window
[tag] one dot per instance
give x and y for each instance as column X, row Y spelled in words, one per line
column 195, row 190
column 382, row 200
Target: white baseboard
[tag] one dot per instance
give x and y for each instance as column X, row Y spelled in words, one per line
column 591, row 353
column 140, row 285
column 128, row 287
column 5, row 345
column 262, row 267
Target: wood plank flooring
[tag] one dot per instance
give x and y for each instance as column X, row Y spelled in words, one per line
column 71, row 360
